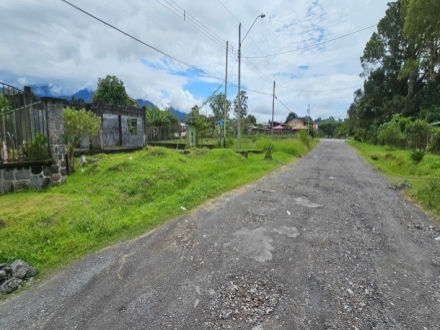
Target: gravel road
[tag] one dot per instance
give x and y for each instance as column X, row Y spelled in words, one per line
column 320, row 244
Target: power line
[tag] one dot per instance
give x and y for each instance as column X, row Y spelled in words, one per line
column 283, row 104
column 314, row 45
column 140, row 41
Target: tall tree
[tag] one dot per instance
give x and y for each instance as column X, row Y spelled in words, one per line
column 111, row 90
column 290, row 116
column 244, row 105
column 217, row 104
column 422, row 28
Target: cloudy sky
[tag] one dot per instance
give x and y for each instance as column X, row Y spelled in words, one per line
column 49, row 42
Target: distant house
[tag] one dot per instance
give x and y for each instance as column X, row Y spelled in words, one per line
column 298, row 124
column 437, row 123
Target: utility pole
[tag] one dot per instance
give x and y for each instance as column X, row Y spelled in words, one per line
column 273, row 110
column 226, row 97
column 308, row 125
column 239, row 96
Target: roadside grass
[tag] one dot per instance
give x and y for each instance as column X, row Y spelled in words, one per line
column 397, row 164
column 121, row 196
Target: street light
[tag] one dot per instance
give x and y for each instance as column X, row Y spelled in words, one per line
column 239, row 75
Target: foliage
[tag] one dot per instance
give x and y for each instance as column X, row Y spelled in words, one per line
column 217, row 104
column 157, row 117
column 435, row 142
column 389, row 134
column 422, row 28
column 417, row 155
column 292, row 115
column 4, row 103
column 269, row 150
column 244, row 105
column 72, row 220
column 111, row 90
column 201, row 123
column 37, row 148
column 418, row 134
column 78, row 123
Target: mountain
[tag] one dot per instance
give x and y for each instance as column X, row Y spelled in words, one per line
column 179, row 114
column 87, row 95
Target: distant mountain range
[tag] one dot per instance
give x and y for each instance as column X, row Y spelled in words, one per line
column 87, row 96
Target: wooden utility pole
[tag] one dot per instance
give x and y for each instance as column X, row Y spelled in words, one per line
column 226, row 97
column 273, row 110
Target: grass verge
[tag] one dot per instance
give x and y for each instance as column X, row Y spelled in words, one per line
column 424, row 177
column 123, row 195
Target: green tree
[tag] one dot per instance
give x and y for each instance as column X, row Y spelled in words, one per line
column 422, row 28
column 418, row 134
column 290, row 116
column 78, row 123
column 200, row 121
column 244, row 105
column 111, row 90
column 389, row 134
column 217, row 104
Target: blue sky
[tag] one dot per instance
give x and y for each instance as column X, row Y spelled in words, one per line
column 67, row 49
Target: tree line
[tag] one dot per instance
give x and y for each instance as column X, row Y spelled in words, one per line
column 401, row 67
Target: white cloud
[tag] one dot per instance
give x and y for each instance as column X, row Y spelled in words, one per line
column 49, row 42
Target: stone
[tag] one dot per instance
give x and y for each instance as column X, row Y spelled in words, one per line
column 8, row 271
column 34, row 182
column 56, row 177
column 22, row 270
column 22, row 175
column 55, row 169
column 3, row 266
column 10, row 285
column 8, row 187
column 63, row 172
column 8, row 175
column 21, row 186
column 63, row 164
column 45, row 183
column 36, row 169
column 47, row 170
column 2, row 275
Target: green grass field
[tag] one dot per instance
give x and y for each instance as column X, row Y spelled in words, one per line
column 124, row 195
column 424, row 177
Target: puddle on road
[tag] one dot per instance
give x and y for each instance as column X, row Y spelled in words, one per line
column 306, row 202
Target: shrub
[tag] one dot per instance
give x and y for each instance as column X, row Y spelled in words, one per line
column 435, row 143
column 357, row 138
column 417, row 155
column 304, row 138
column 418, row 134
column 389, row 134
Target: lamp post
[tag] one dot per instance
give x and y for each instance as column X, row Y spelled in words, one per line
column 239, row 76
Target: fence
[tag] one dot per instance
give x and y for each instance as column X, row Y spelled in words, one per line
column 23, row 126
column 178, row 135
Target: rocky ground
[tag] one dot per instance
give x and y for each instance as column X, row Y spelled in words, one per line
column 321, row 244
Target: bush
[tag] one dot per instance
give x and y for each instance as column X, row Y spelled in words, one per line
column 435, row 142
column 389, row 134
column 304, row 138
column 357, row 138
column 418, row 134
column 417, row 155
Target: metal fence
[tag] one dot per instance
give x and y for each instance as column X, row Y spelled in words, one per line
column 23, row 126
column 178, row 135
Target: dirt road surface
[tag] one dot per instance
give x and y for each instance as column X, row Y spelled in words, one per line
column 321, row 244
